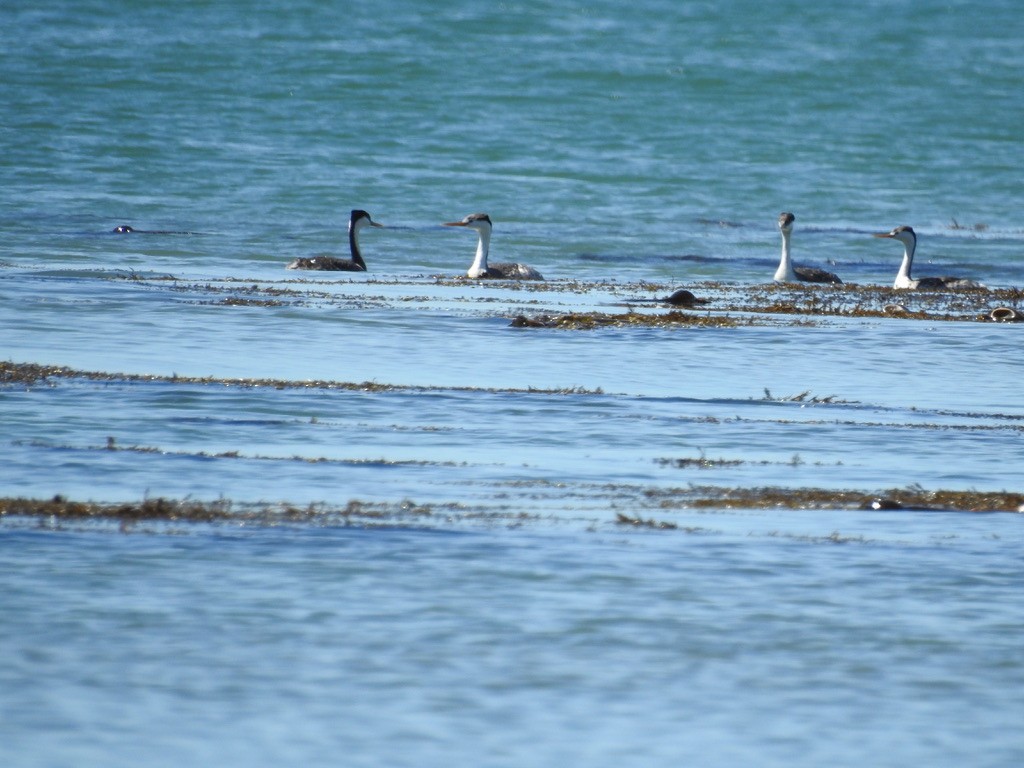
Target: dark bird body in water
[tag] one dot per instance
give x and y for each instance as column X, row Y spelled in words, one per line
column 680, row 298
column 683, row 298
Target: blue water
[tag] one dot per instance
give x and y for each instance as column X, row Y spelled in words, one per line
column 497, row 614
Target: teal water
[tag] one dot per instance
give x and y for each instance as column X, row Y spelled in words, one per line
column 623, row 151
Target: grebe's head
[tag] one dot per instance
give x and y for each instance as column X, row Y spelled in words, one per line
column 481, row 222
column 123, row 229
column 361, row 218
column 786, row 220
column 902, row 233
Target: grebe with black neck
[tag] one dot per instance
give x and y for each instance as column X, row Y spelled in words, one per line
column 356, row 222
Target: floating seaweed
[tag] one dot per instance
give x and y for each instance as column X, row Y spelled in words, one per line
column 913, row 498
column 34, row 374
column 220, row 510
column 356, row 512
column 591, row 320
column 622, row 519
column 755, row 303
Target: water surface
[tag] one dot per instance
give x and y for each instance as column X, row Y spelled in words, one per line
column 500, row 613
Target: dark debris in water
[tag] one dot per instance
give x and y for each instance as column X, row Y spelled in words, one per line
column 58, row 510
column 241, row 301
column 703, row 462
column 589, row 320
column 727, row 304
column 804, row 397
column 249, row 295
column 113, row 445
column 28, row 374
column 911, row 499
column 638, row 522
column 857, row 301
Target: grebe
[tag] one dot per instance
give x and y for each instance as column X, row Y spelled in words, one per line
column 907, row 236
column 481, row 222
column 128, row 229
column 787, row 273
column 356, row 222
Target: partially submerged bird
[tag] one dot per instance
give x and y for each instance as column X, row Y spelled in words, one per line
column 908, row 237
column 683, row 298
column 128, row 229
column 481, row 222
column 679, row 298
column 356, row 222
column 787, row 273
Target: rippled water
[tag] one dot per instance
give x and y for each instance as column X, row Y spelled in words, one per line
column 498, row 614
column 733, row 645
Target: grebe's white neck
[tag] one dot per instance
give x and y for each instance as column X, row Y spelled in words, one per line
column 481, row 222
column 785, row 273
column 903, row 278
column 483, row 247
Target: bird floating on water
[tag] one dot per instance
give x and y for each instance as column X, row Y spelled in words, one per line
column 481, row 222
column 128, row 229
column 787, row 273
column 908, row 237
column 356, row 222
column 683, row 298
column 679, row 298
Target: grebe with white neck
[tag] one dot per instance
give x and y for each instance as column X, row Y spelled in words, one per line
column 481, row 222
column 787, row 273
column 356, row 222
column 908, row 237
